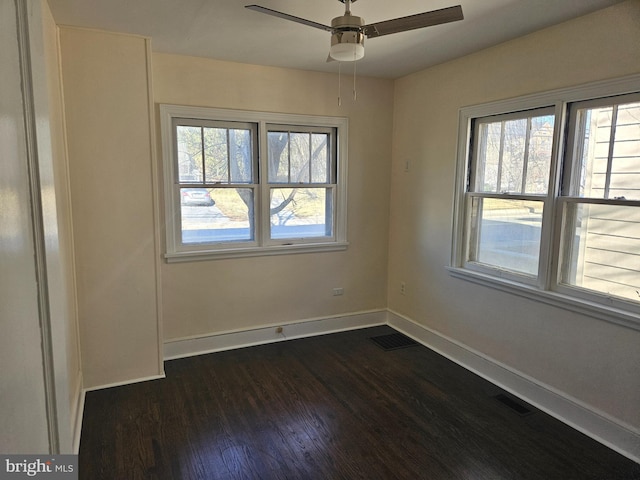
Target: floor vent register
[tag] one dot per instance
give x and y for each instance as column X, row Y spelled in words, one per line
column 393, row 341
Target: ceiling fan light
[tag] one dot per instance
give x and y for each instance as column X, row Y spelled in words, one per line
column 347, row 46
column 346, row 52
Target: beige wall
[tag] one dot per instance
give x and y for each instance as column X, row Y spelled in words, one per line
column 106, row 95
column 209, row 297
column 590, row 360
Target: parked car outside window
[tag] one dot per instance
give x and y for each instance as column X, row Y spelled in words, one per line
column 196, row 196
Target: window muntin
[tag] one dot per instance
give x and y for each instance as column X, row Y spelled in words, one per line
column 508, row 188
column 220, row 201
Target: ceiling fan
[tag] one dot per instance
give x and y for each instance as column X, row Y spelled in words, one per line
column 348, row 31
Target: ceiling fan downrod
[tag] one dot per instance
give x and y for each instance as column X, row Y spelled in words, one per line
column 347, row 6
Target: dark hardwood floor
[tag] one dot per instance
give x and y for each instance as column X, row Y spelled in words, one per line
column 329, row 407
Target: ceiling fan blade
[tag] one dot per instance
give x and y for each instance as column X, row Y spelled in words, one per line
column 286, row 16
column 412, row 22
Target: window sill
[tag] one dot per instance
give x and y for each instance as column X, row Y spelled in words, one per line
column 203, row 255
column 584, row 307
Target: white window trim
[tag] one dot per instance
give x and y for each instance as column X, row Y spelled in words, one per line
column 177, row 253
column 546, row 289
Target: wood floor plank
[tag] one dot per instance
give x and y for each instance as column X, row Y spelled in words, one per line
column 329, row 407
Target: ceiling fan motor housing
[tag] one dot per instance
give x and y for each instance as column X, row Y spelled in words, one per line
column 347, row 39
column 347, row 21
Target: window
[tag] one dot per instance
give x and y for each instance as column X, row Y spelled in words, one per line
column 600, row 200
column 301, row 182
column 548, row 202
column 215, row 181
column 509, row 189
column 251, row 183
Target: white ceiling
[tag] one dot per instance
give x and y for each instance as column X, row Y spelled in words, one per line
column 225, row 30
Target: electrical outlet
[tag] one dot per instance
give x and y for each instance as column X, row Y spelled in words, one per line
column 403, row 288
column 338, row 291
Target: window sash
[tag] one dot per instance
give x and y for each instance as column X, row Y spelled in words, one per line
column 218, row 125
column 330, row 168
column 480, row 148
column 225, row 219
column 323, row 231
column 575, row 144
column 586, row 251
column 506, row 233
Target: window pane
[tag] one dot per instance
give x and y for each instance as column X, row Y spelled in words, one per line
column 301, row 212
column 216, row 155
column 539, row 159
column 609, row 157
column 488, row 158
column 228, row 155
column 320, row 159
column 216, row 215
column 506, row 233
column 513, row 152
column 300, row 157
column 189, row 143
column 514, row 156
column 240, row 156
column 602, row 249
column 278, row 153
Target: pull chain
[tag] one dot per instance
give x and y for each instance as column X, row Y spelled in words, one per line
column 355, row 93
column 339, row 89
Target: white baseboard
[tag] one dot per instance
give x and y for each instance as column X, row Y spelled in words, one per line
column 125, row 382
column 187, row 347
column 598, row 425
